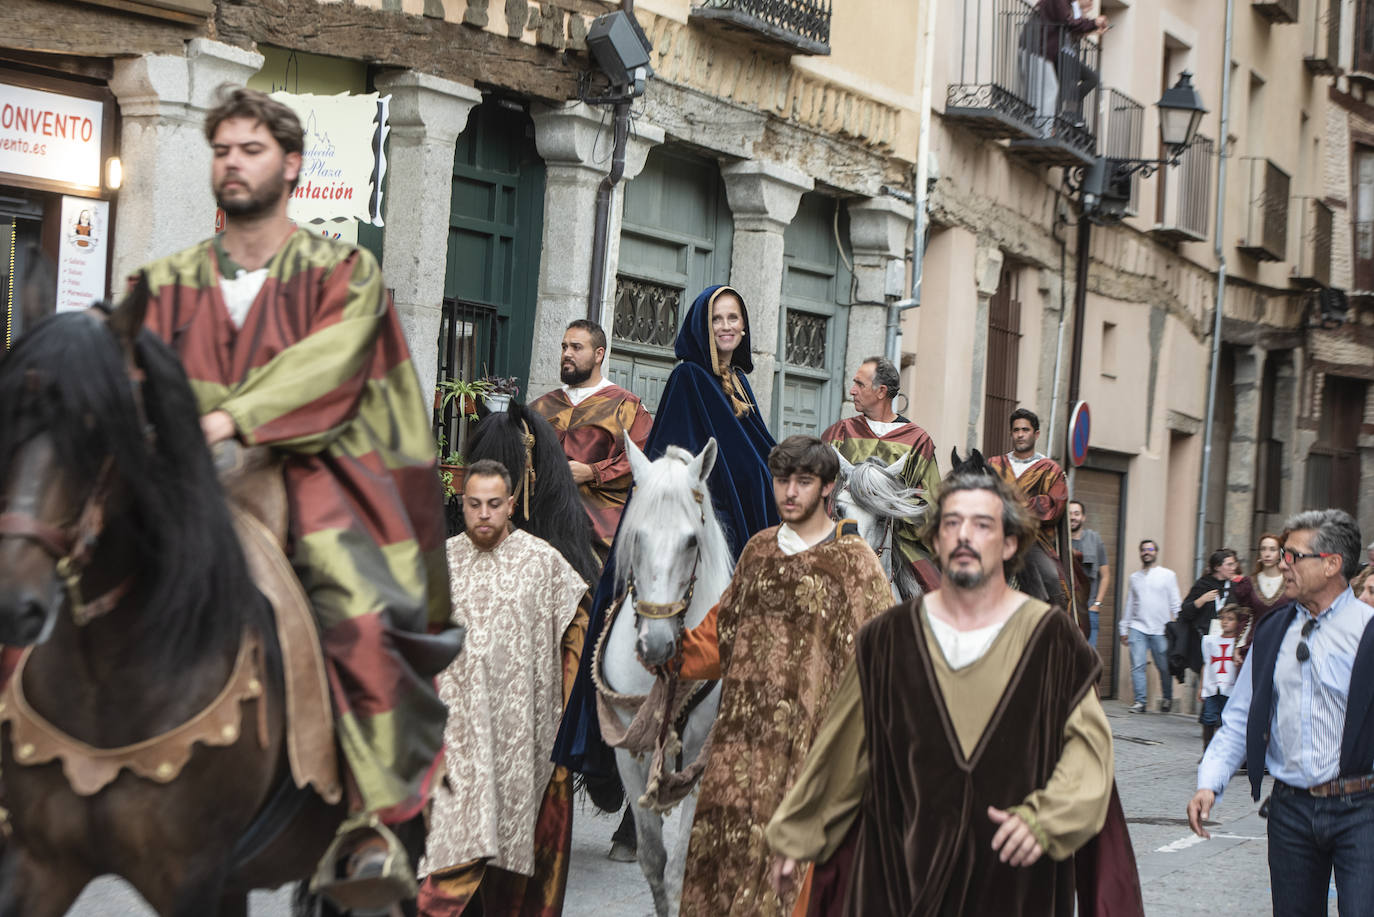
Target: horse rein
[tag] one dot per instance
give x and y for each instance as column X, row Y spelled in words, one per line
column 72, row 546
column 663, row 611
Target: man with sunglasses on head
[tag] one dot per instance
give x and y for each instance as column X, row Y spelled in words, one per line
column 1304, row 704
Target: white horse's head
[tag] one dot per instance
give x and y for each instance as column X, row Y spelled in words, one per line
column 876, row 498
column 670, row 547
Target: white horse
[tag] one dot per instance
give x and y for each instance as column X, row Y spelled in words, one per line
column 672, row 564
column 875, row 496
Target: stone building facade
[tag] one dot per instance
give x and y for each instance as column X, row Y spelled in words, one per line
column 1000, row 271
column 761, row 150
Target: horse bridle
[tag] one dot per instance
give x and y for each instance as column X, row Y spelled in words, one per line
column 72, row 546
column 663, row 611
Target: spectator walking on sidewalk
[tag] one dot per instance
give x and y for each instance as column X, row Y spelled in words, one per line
column 1302, row 704
column 1152, row 601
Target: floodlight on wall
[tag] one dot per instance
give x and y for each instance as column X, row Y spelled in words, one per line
column 621, row 50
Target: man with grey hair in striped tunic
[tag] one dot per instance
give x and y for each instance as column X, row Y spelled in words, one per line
column 1303, row 706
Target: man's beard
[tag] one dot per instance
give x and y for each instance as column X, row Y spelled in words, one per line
column 804, row 511
column 487, row 542
column 258, row 201
column 573, row 375
column 968, row 579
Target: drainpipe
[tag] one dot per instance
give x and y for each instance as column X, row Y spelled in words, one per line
column 1199, row 548
column 596, row 288
column 602, row 230
column 893, row 343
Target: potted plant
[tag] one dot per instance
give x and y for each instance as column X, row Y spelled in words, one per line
column 451, row 469
column 467, row 393
column 500, row 390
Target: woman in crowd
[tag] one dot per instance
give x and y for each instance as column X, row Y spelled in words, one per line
column 1261, row 591
column 1211, row 591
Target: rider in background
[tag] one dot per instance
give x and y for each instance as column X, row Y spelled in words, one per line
column 879, row 431
column 291, row 341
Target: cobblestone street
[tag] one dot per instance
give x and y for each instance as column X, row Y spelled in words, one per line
column 1156, row 759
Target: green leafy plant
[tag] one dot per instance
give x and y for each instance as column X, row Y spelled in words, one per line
column 467, row 392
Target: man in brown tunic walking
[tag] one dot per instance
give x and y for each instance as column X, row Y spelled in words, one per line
column 786, row 624
column 967, row 741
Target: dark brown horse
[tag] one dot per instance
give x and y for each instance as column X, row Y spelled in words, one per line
column 120, row 566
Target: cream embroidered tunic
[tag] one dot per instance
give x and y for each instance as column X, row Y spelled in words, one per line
column 504, row 695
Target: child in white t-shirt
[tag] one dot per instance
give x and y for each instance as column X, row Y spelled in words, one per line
column 1218, row 671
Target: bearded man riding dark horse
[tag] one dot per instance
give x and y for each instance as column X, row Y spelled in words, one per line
column 290, row 342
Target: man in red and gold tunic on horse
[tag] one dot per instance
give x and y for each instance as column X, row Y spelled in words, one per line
column 291, row 341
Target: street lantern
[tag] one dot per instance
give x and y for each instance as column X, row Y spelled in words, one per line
column 1180, row 113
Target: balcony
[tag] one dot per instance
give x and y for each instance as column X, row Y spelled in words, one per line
column 1266, row 218
column 1363, row 262
column 1122, row 138
column 1323, row 40
column 1277, row 11
column 1065, row 95
column 792, row 26
column 1314, row 224
column 990, row 96
column 1184, row 195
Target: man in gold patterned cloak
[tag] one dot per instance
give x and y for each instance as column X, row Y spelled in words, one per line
column 786, row 626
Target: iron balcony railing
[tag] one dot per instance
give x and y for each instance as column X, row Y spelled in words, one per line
column 1061, row 72
column 1279, row 11
column 1185, row 194
column 990, row 94
column 801, row 26
column 1266, row 218
column 1314, row 221
column 1123, row 136
column 1323, row 40
column 1364, row 257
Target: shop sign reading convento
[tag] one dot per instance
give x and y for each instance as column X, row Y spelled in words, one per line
column 50, row 136
column 344, row 163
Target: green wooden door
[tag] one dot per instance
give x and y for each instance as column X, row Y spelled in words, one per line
column 674, row 242
column 496, row 217
column 815, row 297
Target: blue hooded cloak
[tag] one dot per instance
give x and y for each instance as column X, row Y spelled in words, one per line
column 693, row 408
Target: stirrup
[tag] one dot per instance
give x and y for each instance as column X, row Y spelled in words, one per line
column 373, row 893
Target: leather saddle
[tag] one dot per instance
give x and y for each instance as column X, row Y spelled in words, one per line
column 256, row 492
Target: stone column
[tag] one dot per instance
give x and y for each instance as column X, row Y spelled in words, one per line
column 427, row 115
column 879, row 231
column 1241, row 458
column 987, row 272
column 575, row 143
column 763, row 197
column 166, row 203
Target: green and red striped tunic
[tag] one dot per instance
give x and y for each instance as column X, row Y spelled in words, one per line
column 320, row 371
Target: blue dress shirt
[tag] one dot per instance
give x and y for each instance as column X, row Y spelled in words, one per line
column 1309, row 703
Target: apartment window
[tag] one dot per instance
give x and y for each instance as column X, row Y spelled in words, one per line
column 1255, row 112
column 1004, row 348
column 1364, row 217
column 1333, row 463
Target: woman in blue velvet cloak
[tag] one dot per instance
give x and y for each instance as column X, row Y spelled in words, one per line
column 707, row 395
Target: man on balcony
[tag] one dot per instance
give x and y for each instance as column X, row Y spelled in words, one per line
column 1055, row 74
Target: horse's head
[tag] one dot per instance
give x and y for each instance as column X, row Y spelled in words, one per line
column 58, row 471
column 865, row 494
column 664, row 536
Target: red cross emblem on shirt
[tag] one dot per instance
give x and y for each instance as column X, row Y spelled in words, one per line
column 1224, row 658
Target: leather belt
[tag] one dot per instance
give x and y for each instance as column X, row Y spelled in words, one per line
column 1341, row 786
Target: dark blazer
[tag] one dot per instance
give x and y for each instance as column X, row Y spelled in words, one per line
column 1357, row 737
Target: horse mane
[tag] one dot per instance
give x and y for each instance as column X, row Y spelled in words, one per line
column 67, row 377
column 668, row 491
column 556, row 511
column 879, row 491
